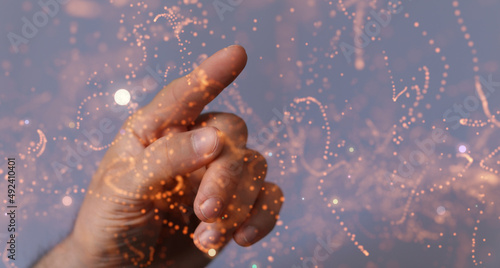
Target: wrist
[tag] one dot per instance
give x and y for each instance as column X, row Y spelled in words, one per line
column 67, row 253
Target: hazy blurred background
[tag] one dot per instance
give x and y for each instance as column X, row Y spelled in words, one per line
column 341, row 97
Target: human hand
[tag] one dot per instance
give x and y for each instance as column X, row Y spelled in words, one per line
column 168, row 161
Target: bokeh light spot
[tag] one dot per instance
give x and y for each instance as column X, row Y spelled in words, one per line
column 462, row 148
column 122, row 97
column 67, row 201
column 441, row 210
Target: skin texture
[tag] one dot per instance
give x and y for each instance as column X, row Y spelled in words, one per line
column 175, row 183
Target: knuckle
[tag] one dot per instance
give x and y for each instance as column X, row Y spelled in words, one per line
column 155, row 160
column 227, row 177
column 257, row 164
column 273, row 190
column 238, row 124
column 132, row 126
column 234, row 168
column 230, row 125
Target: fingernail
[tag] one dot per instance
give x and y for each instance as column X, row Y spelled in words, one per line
column 209, row 238
column 249, row 234
column 211, row 208
column 205, row 141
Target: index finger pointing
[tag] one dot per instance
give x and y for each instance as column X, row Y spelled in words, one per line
column 182, row 101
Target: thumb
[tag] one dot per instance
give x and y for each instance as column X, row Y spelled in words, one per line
column 172, row 155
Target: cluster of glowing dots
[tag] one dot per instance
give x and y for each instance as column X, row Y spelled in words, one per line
column 346, row 230
column 326, row 124
column 39, row 148
column 484, row 100
column 466, row 35
column 441, row 210
column 80, row 113
column 483, row 161
column 358, row 21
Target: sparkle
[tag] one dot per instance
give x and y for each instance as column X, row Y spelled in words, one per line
column 212, row 252
column 441, row 210
column 255, row 266
column 26, row 122
column 302, row 198
column 122, row 97
column 462, row 148
column 67, row 201
column 270, row 154
column 335, row 201
column 351, row 149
